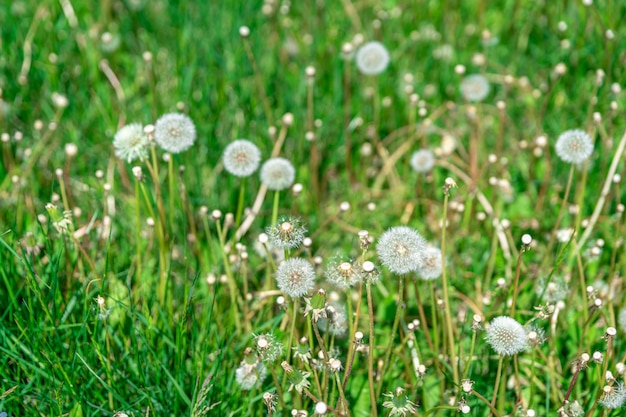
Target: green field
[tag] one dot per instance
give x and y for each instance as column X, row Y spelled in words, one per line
column 149, row 287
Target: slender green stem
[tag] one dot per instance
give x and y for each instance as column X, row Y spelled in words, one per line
column 170, row 180
column 138, row 230
column 231, row 279
column 496, row 386
column 275, row 207
column 469, row 358
column 294, row 316
column 437, row 408
column 446, row 299
column 242, row 189
column 516, row 283
column 557, row 223
column 370, row 354
column 394, row 330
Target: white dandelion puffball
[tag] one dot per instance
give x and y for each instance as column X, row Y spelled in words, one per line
column 574, row 146
column 613, row 396
column 401, row 249
column 174, row 132
column 422, row 161
column 130, row 143
column 506, row 336
column 372, row 58
column 295, row 277
column 250, row 375
column 241, row 158
column 278, row 174
column 475, row 87
column 432, row 266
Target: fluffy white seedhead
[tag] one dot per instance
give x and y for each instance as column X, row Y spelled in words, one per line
column 372, row 58
column 423, row 161
column 241, row 158
column 574, row 146
column 249, row 376
column 475, row 87
column 432, row 266
column 401, row 249
column 295, row 277
column 277, row 174
column 342, row 273
column 130, row 143
column 287, row 233
column 613, row 396
column 506, row 336
column 174, row 132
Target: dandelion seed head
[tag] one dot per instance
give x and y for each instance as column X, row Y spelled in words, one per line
column 288, row 233
column 174, row 132
column 342, row 274
column 268, row 347
column 574, row 146
column 277, row 174
column 131, row 143
column 475, row 87
column 295, row 277
column 423, row 161
column 248, row 376
column 613, row 396
column 432, row 266
column 401, row 249
column 372, row 58
column 241, row 158
column 506, row 336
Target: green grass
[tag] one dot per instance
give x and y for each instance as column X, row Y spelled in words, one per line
column 172, row 354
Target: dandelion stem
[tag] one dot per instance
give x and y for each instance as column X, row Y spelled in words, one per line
column 242, row 190
column 497, row 384
column 275, row 207
column 394, row 330
column 370, row 355
column 484, row 400
column 568, row 187
column 446, row 300
column 516, row 282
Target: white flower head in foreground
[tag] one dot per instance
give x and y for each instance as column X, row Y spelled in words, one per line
column 130, row 143
column 422, row 161
column 475, row 87
column 613, row 396
column 295, row 277
column 372, row 58
column 506, row 336
column 268, row 347
column 249, row 375
column 174, row 132
column 401, row 249
column 432, row 266
column 574, row 146
column 242, row 158
column 277, row 174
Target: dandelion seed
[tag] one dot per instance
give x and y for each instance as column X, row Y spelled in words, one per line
column 574, row 146
column 288, row 233
column 401, row 249
column 552, row 291
column 174, row 132
column 423, row 161
column 277, row 174
column 130, row 143
column 432, row 266
column 506, row 336
column 295, row 277
column 475, row 87
column 241, row 158
column 372, row 58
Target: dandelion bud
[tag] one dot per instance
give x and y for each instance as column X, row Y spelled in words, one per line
column 244, row 31
column 321, row 408
column 358, row 337
column 216, row 215
column 138, row 173
column 310, row 71
column 526, row 239
column 459, row 69
column 58, row 172
column 467, row 385
column 597, row 357
column 71, row 150
column 287, row 119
